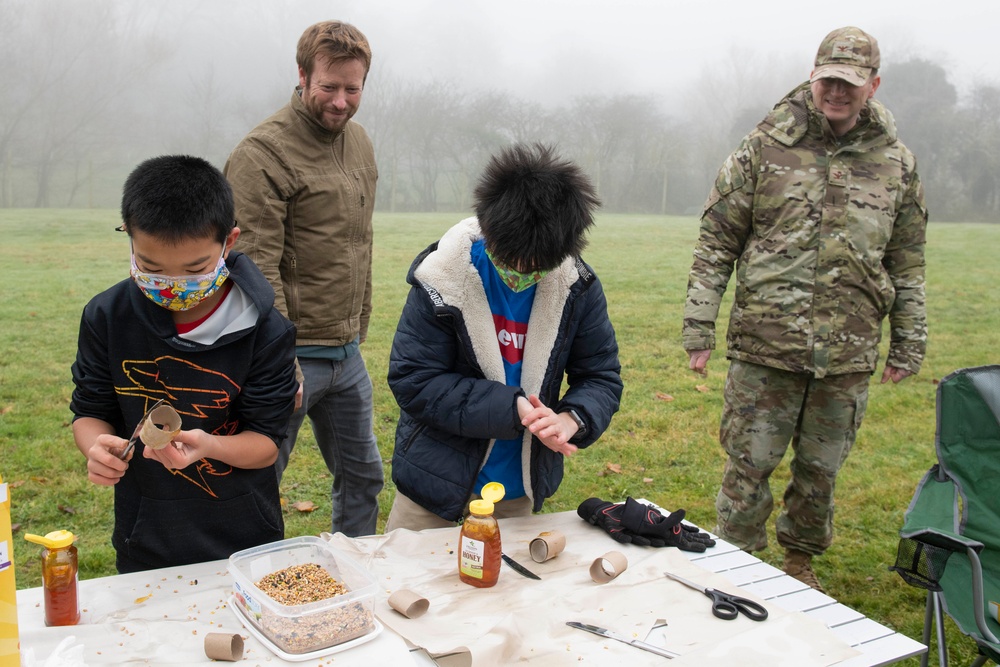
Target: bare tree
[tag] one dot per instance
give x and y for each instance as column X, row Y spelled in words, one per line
column 66, row 65
column 924, row 106
column 385, row 112
column 729, row 99
column 90, row 89
column 979, row 164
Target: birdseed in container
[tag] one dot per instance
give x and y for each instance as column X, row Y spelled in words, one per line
column 301, row 584
column 303, row 594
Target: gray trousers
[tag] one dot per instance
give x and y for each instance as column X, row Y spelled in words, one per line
column 337, row 396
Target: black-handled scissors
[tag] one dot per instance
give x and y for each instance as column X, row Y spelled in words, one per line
column 724, row 605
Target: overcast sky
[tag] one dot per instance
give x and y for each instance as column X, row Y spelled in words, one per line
column 648, row 45
column 550, row 49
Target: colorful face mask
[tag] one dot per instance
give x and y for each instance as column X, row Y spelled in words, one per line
column 180, row 292
column 516, row 280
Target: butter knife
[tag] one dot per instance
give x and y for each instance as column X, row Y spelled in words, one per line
column 517, row 567
column 604, row 632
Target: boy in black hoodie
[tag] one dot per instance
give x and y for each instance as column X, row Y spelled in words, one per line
column 194, row 325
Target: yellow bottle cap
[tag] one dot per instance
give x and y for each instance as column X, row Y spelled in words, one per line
column 493, row 492
column 57, row 539
column 481, row 507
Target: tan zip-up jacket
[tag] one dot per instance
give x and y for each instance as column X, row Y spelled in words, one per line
column 304, row 200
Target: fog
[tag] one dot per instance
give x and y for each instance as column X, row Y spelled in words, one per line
column 649, row 95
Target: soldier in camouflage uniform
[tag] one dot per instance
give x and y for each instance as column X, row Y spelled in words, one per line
column 821, row 212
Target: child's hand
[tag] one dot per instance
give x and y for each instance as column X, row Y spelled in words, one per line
column 186, row 448
column 104, row 467
column 553, row 429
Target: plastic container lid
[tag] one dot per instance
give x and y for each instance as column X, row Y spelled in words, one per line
column 493, row 492
column 481, row 507
column 57, row 539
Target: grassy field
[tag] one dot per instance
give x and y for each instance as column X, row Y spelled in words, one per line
column 54, row 261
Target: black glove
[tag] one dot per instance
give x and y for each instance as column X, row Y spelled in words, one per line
column 662, row 531
column 608, row 516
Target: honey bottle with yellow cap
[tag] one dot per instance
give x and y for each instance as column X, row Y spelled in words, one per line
column 59, row 577
column 479, row 547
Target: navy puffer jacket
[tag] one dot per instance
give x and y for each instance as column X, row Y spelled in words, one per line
column 447, row 375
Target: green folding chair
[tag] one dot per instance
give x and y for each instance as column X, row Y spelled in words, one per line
column 950, row 540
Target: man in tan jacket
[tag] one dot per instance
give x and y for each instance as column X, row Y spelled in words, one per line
column 304, row 183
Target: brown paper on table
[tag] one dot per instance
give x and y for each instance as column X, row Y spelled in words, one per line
column 408, row 603
column 224, row 646
column 523, row 620
column 547, row 545
column 155, row 437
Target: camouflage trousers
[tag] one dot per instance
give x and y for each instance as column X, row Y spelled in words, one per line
column 765, row 409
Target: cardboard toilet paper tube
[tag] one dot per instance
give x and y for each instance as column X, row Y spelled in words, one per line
column 547, row 545
column 608, row 566
column 408, row 603
column 224, row 646
column 154, row 436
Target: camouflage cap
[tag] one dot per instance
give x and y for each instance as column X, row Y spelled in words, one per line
column 847, row 53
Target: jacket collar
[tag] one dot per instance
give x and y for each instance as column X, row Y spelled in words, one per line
column 314, row 126
column 446, row 272
column 795, row 116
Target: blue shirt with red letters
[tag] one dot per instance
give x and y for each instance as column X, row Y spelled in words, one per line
column 511, row 311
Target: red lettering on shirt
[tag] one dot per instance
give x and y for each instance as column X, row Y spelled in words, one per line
column 510, row 336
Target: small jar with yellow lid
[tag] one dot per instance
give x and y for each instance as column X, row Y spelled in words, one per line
column 479, row 543
column 59, row 577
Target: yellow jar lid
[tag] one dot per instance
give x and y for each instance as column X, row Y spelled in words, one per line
column 493, row 492
column 57, row 539
column 481, row 507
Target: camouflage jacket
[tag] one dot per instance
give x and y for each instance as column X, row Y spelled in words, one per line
column 827, row 238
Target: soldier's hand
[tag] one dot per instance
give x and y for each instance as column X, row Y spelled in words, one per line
column 894, row 374
column 699, row 360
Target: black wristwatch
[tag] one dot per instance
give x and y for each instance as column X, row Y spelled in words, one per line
column 581, row 427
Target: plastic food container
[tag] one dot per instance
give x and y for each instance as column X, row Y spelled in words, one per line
column 304, row 628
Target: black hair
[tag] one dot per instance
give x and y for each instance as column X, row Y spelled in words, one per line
column 534, row 207
column 177, row 197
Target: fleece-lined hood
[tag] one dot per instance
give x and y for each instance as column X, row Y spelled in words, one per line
column 450, row 279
